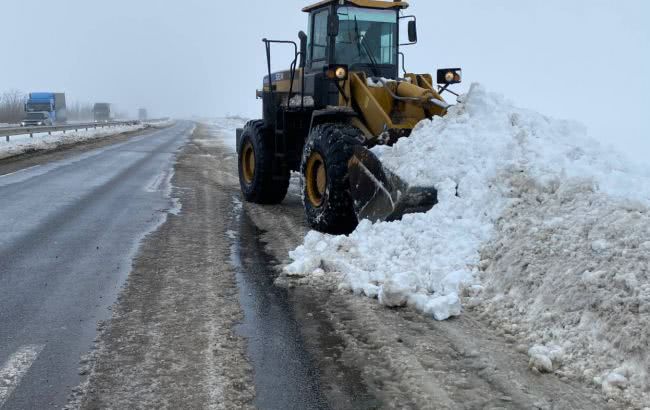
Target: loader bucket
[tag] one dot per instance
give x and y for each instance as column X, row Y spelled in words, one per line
column 379, row 194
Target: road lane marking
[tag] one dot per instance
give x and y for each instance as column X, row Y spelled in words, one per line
column 19, row 171
column 15, row 368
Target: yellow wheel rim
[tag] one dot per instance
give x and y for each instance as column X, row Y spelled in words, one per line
column 316, row 179
column 248, row 163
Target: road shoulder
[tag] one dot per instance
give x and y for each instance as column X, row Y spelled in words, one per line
column 171, row 342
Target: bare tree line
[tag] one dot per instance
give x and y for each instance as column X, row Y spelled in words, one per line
column 12, row 108
column 80, row 112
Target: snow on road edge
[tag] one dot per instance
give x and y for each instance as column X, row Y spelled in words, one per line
column 42, row 142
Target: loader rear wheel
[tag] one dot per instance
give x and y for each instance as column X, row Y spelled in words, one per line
column 261, row 180
column 326, row 191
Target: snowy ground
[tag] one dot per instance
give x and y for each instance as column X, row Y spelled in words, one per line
column 226, row 128
column 540, row 228
column 20, row 144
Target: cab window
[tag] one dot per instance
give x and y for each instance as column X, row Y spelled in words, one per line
column 319, row 37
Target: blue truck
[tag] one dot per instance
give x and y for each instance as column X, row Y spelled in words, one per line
column 51, row 103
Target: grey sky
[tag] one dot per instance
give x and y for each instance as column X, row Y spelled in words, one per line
column 579, row 59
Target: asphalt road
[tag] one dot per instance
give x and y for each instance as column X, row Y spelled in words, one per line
column 68, row 231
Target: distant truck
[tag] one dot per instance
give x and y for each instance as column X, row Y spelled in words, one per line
column 53, row 104
column 142, row 114
column 102, row 112
column 36, row 119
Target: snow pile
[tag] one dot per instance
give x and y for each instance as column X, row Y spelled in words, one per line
column 570, row 266
column 20, row 144
column 538, row 226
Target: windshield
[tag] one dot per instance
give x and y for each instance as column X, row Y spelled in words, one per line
column 36, row 116
column 39, row 106
column 366, row 36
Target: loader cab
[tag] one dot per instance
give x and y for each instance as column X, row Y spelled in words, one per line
column 363, row 35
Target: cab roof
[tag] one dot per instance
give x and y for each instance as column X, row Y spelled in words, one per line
column 374, row 4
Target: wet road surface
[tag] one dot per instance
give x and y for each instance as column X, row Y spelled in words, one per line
column 285, row 375
column 68, row 231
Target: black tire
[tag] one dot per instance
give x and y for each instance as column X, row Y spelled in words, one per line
column 267, row 183
column 330, row 210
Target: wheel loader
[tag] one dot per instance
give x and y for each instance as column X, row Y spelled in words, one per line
column 341, row 96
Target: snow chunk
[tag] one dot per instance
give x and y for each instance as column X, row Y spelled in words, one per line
column 615, row 380
column 394, row 293
column 545, row 358
column 444, row 307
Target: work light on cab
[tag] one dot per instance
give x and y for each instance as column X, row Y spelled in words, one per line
column 337, row 72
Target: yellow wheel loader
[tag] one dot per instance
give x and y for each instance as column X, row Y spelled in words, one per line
column 341, row 96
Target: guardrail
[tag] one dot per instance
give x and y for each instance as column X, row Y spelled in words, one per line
column 9, row 132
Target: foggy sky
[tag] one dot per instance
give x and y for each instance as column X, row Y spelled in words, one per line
column 586, row 60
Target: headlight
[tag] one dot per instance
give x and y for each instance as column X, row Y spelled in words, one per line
column 449, row 77
column 40, row 123
column 336, row 72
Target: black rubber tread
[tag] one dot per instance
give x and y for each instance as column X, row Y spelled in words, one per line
column 269, row 186
column 335, row 143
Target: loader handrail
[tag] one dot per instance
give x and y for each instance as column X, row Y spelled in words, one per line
column 292, row 68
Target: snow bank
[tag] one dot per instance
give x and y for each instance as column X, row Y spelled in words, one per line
column 226, row 128
column 570, row 266
column 21, row 144
column 539, row 225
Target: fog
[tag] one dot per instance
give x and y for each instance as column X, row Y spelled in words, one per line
column 586, row 60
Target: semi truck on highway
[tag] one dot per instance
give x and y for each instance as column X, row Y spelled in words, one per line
column 47, row 102
column 102, row 112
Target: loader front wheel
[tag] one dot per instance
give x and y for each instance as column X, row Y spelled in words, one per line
column 261, row 180
column 326, row 191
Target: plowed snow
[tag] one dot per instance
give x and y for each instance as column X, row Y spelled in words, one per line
column 537, row 224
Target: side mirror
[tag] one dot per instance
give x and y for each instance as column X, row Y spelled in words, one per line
column 303, row 48
column 413, row 31
column 333, row 25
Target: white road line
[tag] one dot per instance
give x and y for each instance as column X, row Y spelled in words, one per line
column 19, row 171
column 15, row 368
